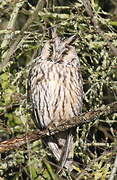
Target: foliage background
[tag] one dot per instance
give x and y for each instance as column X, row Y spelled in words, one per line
column 22, row 34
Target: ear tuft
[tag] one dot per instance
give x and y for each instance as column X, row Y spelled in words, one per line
column 70, row 40
column 53, row 33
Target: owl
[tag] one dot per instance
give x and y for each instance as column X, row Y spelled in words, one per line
column 56, row 93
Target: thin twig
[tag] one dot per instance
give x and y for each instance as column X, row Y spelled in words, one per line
column 16, row 99
column 8, row 108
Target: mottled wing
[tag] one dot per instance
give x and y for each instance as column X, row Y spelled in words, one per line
column 56, row 92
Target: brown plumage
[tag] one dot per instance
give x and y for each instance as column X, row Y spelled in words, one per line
column 55, row 90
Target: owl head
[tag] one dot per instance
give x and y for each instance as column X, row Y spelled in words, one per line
column 59, row 51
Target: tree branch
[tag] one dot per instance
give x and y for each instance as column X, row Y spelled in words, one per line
column 17, row 142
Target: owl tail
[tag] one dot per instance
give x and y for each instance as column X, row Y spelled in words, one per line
column 61, row 146
column 66, row 159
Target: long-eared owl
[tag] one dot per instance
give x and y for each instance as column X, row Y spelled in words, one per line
column 56, row 93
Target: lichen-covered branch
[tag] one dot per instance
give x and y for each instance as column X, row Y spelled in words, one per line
column 17, row 142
